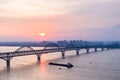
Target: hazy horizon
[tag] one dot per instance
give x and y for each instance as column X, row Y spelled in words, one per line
column 92, row 20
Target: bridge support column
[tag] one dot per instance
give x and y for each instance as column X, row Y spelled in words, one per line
column 108, row 48
column 8, row 62
column 77, row 52
column 95, row 49
column 102, row 49
column 38, row 57
column 63, row 54
column 7, row 59
column 87, row 50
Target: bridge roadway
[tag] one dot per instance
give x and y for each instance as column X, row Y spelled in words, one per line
column 50, row 48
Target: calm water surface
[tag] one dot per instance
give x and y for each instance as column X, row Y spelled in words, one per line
column 94, row 66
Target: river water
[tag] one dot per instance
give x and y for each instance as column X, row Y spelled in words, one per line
column 103, row 65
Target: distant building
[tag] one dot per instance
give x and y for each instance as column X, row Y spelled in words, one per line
column 62, row 43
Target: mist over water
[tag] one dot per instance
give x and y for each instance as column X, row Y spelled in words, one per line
column 94, row 66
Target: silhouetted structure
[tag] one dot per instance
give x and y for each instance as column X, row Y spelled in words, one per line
column 53, row 47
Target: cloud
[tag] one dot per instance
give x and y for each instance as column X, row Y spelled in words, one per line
column 100, row 13
column 87, row 19
column 27, row 8
column 117, row 26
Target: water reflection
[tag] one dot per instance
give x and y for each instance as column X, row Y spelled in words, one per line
column 43, row 68
column 94, row 66
column 8, row 69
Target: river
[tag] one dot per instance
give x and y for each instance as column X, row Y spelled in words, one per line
column 103, row 65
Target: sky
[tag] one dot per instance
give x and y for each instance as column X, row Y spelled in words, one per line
column 94, row 20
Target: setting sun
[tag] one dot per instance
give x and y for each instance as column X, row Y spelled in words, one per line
column 42, row 34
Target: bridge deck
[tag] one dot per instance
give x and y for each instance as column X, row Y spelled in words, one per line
column 7, row 56
column 32, row 52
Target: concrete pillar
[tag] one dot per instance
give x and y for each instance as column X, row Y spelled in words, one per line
column 102, row 49
column 77, row 52
column 8, row 63
column 95, row 49
column 38, row 57
column 63, row 54
column 87, row 50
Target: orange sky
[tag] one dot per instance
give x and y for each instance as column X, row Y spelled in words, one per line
column 23, row 20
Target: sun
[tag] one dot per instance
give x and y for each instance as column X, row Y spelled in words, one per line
column 42, row 34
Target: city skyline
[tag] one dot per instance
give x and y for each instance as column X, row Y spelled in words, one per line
column 24, row 20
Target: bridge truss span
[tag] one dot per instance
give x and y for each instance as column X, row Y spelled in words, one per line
column 49, row 48
column 52, row 47
column 24, row 48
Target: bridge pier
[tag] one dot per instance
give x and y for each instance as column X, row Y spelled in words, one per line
column 87, row 50
column 95, row 49
column 77, row 52
column 7, row 59
column 102, row 49
column 8, row 62
column 108, row 48
column 38, row 57
column 63, row 54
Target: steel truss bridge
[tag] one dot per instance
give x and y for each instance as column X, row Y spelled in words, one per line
column 50, row 48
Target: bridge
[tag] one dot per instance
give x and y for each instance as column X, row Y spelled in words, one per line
column 51, row 48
